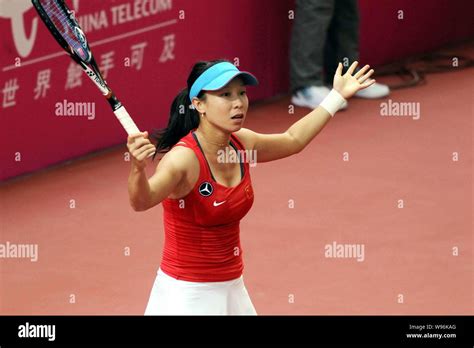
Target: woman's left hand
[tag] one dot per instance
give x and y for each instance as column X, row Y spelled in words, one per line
column 347, row 85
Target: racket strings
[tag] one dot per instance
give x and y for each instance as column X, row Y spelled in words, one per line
column 63, row 23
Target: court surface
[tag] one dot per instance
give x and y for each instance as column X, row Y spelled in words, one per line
column 97, row 256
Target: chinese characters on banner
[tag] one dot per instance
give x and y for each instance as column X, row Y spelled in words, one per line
column 125, row 39
column 144, row 48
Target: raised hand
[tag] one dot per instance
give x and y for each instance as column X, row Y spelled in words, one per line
column 347, row 85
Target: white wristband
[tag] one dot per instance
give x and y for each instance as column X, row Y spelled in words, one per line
column 333, row 102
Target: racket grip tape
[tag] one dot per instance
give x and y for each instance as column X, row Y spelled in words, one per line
column 126, row 121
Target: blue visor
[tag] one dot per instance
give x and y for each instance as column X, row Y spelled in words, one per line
column 218, row 76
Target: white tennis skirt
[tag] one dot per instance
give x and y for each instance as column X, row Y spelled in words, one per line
column 170, row 296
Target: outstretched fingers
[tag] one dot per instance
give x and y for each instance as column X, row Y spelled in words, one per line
column 361, row 71
column 352, row 68
column 364, row 78
column 367, row 83
column 339, row 69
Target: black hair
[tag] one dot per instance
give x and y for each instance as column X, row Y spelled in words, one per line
column 182, row 118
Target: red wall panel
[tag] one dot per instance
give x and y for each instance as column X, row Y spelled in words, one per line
column 254, row 32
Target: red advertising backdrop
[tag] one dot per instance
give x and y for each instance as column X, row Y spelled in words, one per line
column 146, row 48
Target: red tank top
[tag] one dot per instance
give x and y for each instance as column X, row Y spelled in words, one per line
column 202, row 242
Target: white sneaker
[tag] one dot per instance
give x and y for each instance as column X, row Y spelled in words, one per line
column 311, row 97
column 377, row 90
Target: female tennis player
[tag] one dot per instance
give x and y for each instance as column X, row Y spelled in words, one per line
column 204, row 197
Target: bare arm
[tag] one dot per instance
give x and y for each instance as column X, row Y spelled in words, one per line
column 145, row 193
column 138, row 188
column 271, row 147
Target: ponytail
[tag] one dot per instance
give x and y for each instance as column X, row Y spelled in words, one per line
column 182, row 120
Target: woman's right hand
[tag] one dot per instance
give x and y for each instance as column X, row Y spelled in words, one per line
column 140, row 148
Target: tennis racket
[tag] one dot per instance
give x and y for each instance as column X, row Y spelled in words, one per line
column 60, row 21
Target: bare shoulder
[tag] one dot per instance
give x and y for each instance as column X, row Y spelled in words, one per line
column 179, row 159
column 182, row 164
column 247, row 137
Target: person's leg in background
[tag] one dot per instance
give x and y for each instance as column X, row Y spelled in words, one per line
column 342, row 45
column 312, row 20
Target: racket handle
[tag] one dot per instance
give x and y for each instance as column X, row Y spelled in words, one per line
column 126, row 121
